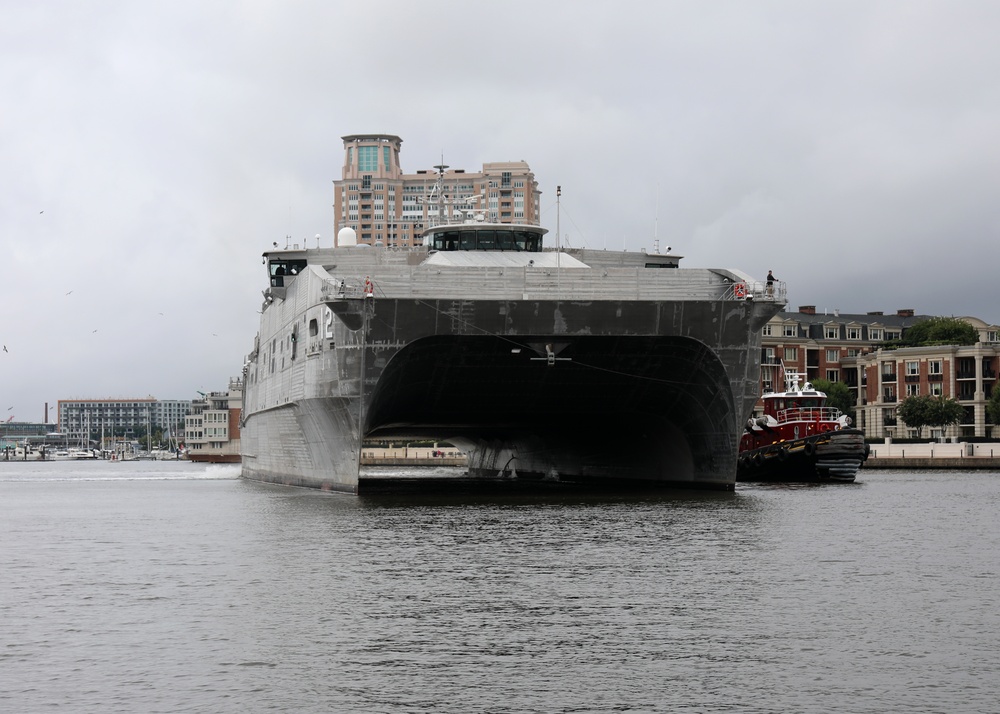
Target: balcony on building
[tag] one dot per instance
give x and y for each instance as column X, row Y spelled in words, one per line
column 889, row 398
column 888, row 376
column 912, row 378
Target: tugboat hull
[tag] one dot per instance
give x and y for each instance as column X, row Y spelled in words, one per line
column 831, row 457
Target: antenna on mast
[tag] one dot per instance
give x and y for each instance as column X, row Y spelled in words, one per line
column 656, row 220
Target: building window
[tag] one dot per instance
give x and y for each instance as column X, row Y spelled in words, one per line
column 912, row 368
column 789, row 331
column 991, row 336
column 831, row 333
column 833, row 375
column 833, row 355
column 935, row 389
column 892, row 334
column 913, row 390
column 934, row 367
column 791, row 353
column 769, row 356
column 367, row 158
column 766, row 330
column 854, row 333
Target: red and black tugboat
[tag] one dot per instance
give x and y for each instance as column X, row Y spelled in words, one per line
column 798, row 439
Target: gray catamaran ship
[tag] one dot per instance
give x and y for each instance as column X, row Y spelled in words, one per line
column 571, row 365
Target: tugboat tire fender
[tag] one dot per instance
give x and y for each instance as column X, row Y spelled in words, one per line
column 810, row 448
column 782, row 454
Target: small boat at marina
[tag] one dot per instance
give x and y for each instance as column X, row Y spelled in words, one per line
column 71, row 454
column 798, row 439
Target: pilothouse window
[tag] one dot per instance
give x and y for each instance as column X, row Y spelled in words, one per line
column 280, row 268
column 486, row 239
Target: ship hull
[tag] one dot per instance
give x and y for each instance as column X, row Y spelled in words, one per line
column 629, row 391
column 831, row 457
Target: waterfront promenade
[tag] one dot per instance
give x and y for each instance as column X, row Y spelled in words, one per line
column 935, row 455
column 414, row 456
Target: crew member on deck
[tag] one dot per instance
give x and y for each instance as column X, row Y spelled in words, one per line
column 770, row 283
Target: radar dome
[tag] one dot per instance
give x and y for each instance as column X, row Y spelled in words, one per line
column 346, row 236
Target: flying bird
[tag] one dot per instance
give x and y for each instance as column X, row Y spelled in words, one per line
column 70, row 292
column 5, row 348
column 93, row 332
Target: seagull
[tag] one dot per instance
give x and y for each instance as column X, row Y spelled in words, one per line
column 93, row 332
column 41, row 212
column 5, row 348
column 70, row 292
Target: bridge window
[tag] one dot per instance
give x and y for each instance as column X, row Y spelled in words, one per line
column 487, row 240
column 280, row 268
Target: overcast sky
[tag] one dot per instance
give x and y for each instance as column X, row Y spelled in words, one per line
column 150, row 152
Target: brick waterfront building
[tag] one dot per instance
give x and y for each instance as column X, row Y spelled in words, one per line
column 848, row 348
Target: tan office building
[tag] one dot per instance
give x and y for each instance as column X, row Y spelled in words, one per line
column 387, row 207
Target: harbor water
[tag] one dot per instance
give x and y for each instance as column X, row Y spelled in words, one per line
column 170, row 586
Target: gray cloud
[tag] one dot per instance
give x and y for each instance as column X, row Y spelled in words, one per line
column 847, row 145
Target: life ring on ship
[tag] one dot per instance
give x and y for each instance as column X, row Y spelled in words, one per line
column 740, row 290
column 809, row 448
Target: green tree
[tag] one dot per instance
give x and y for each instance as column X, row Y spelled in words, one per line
column 838, row 395
column 993, row 405
column 919, row 412
column 940, row 331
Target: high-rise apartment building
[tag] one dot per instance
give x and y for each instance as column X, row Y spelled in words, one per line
column 385, row 206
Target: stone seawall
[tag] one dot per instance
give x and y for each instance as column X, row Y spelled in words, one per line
column 962, row 456
column 918, row 462
column 400, row 461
